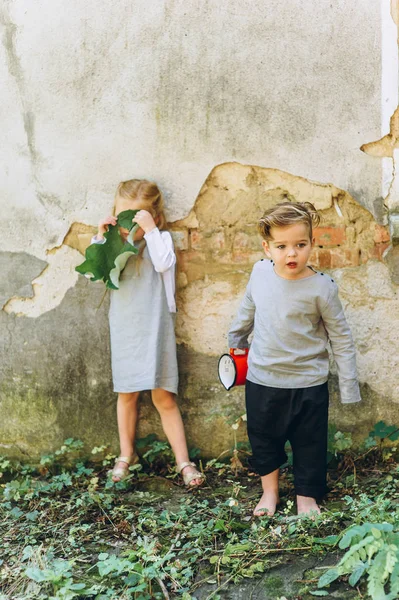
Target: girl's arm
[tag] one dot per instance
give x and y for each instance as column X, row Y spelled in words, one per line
column 342, row 346
column 160, row 247
column 243, row 324
column 97, row 240
column 102, row 228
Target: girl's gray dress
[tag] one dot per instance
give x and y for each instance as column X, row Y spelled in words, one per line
column 143, row 344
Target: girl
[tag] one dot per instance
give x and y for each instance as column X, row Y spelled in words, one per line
column 141, row 318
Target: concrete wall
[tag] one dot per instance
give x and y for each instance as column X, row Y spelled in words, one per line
column 98, row 92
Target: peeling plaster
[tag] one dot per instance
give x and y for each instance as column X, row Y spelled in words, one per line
column 48, row 289
column 50, row 286
column 387, row 144
column 79, row 236
column 17, row 271
column 387, row 148
column 395, row 11
column 217, row 244
column 224, row 214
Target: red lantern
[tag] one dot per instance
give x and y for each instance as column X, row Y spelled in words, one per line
column 233, row 367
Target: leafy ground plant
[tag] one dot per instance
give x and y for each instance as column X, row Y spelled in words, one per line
column 373, row 551
column 106, row 261
column 67, row 531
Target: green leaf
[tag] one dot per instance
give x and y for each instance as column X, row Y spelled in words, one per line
column 319, row 593
column 106, row 261
column 328, row 577
column 220, row 525
column 237, row 548
column 330, row 540
column 382, row 430
column 36, row 574
column 357, row 573
column 125, row 219
column 103, row 556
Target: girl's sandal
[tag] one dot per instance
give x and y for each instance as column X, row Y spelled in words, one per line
column 189, row 477
column 120, row 473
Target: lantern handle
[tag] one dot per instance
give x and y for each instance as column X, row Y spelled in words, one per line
column 239, row 351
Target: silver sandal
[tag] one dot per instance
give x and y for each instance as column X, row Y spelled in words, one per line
column 123, row 472
column 189, row 477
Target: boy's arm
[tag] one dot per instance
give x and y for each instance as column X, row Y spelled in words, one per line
column 243, row 324
column 342, row 347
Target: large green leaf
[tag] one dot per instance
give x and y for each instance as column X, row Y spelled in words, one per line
column 107, row 261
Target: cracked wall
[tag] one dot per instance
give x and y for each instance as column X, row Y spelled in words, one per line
column 97, row 93
column 218, row 245
column 57, row 364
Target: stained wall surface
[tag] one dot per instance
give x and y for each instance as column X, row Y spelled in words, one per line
column 230, row 107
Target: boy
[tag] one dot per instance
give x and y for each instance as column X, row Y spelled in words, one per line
column 293, row 311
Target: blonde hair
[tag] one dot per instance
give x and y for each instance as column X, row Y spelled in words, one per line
column 288, row 213
column 149, row 195
column 151, row 198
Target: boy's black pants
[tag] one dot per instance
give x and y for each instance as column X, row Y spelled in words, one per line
column 275, row 415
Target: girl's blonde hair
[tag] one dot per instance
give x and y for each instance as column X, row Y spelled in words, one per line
column 148, row 193
column 288, row 213
column 150, row 196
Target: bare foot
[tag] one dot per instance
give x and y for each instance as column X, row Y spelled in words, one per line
column 267, row 504
column 307, row 506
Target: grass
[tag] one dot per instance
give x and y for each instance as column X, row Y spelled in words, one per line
column 68, row 532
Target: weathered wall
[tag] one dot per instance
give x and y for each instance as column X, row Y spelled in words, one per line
column 99, row 92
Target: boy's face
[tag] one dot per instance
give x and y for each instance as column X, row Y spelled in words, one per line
column 289, row 249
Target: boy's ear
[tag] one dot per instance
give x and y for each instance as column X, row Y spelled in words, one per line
column 266, row 248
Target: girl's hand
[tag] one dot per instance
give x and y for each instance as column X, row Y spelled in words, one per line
column 145, row 220
column 103, row 225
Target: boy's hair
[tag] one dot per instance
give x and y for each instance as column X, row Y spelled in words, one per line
column 288, row 213
column 149, row 195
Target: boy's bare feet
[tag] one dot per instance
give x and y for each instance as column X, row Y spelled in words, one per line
column 307, row 506
column 267, row 504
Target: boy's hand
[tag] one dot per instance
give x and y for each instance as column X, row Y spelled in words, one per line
column 103, row 225
column 145, row 220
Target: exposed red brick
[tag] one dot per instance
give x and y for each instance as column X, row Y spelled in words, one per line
column 195, row 239
column 341, row 257
column 379, row 250
column 381, row 234
column 320, row 258
column 329, row 236
column 217, row 241
column 241, row 256
column 185, row 260
column 241, row 240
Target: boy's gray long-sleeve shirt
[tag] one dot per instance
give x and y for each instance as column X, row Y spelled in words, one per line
column 293, row 320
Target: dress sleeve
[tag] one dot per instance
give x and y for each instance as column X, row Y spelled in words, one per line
column 342, row 346
column 95, row 240
column 160, row 247
column 243, row 324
